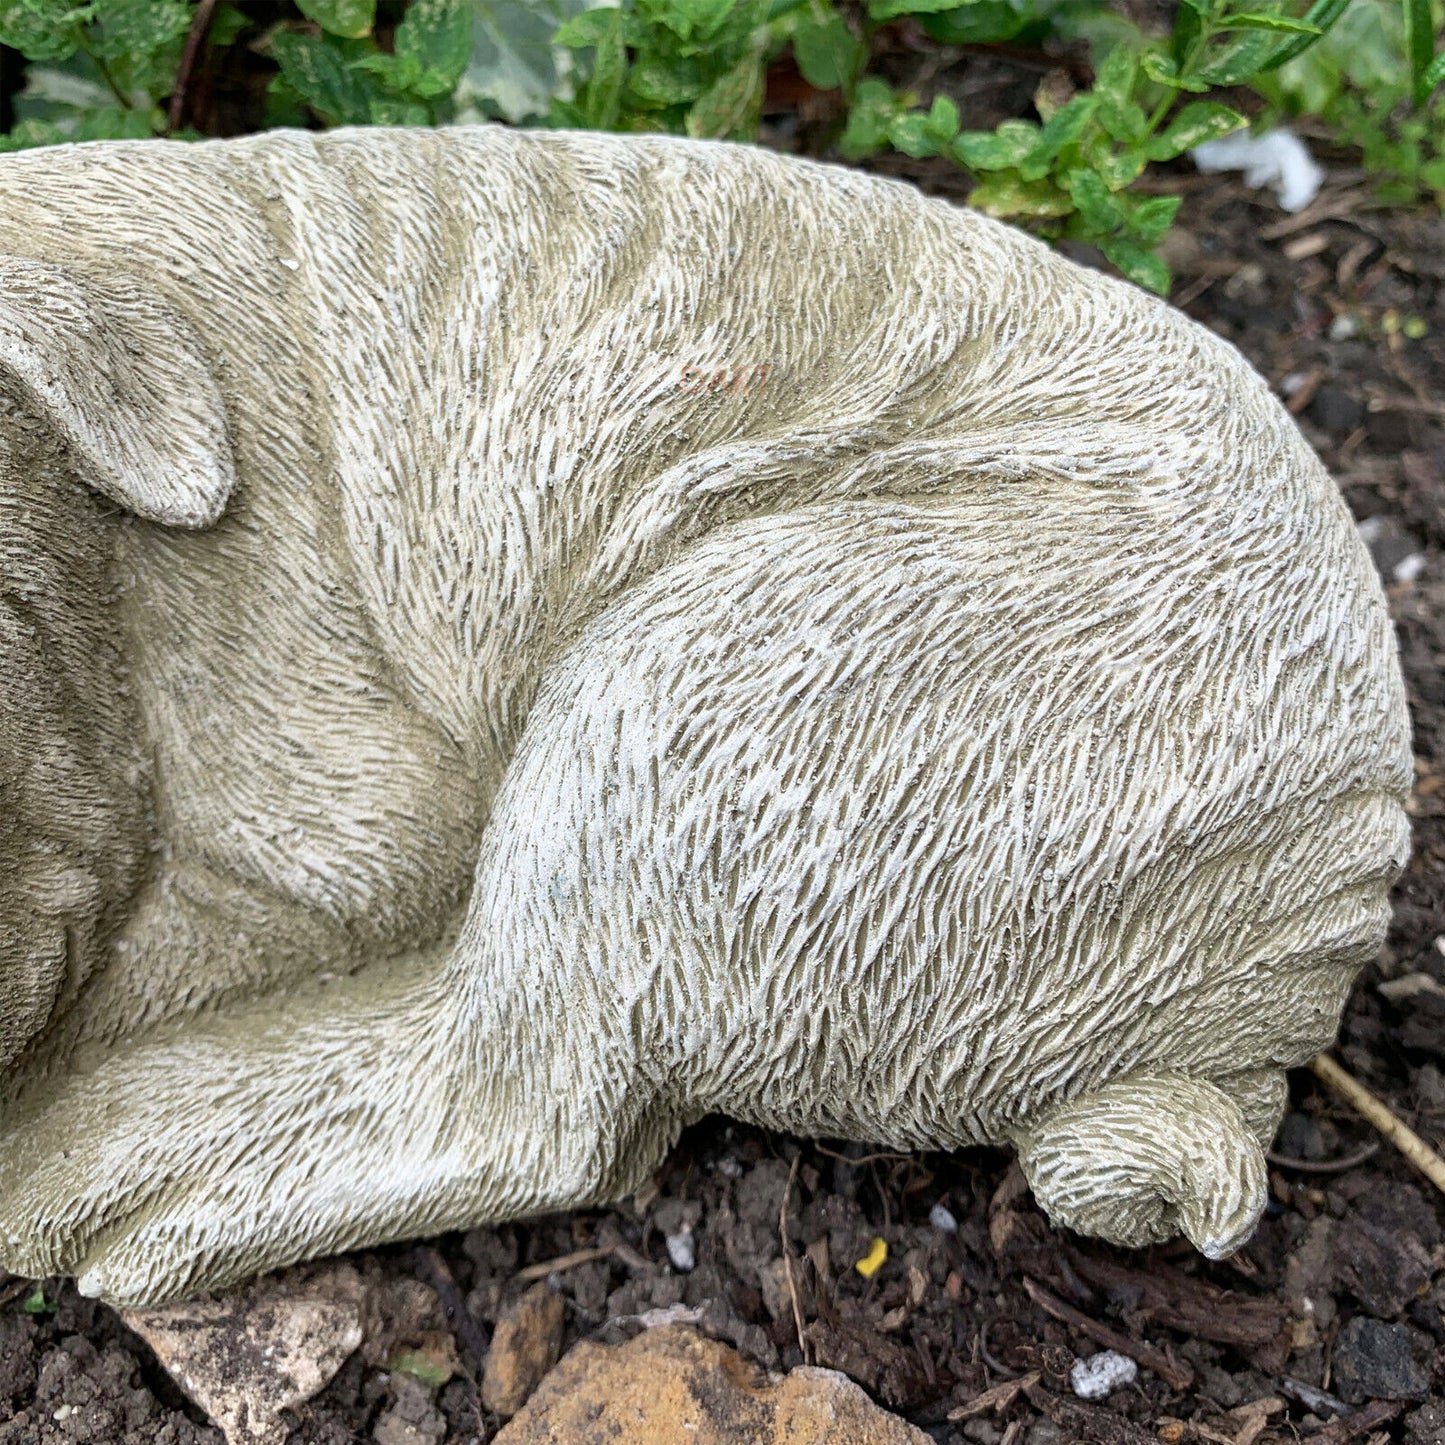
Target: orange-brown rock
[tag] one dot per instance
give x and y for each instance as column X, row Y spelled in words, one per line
column 525, row 1345
column 672, row 1384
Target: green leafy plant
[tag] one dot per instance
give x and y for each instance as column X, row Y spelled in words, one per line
column 1074, row 167
column 342, row 76
column 694, row 67
column 1358, row 82
column 36, row 1303
column 100, row 69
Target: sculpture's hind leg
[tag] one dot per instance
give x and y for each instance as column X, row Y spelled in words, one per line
column 1141, row 1160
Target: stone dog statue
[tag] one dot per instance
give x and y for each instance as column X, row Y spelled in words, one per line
column 511, row 642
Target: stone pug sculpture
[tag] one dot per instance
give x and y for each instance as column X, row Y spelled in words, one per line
column 446, row 746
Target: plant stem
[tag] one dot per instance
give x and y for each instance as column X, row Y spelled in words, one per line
column 105, row 74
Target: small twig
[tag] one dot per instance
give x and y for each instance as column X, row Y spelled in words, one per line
column 195, row 43
column 788, row 1256
column 1362, row 1422
column 999, row 1398
column 14, row 1289
column 861, row 1160
column 1179, row 1377
column 555, row 1266
column 1324, row 1166
column 1376, row 1112
column 467, row 1331
column 988, row 1359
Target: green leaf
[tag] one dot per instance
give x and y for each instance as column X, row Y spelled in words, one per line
column 1138, row 265
column 1322, row 15
column 869, row 117
column 1163, row 71
column 1419, row 44
column 138, row 27
column 1197, row 122
column 911, row 134
column 36, row 1303
column 1115, row 77
column 1433, row 76
column 1006, row 194
column 318, row 73
column 1124, row 120
column 1061, row 129
column 1095, row 202
column 591, row 27
column 433, row 45
column 662, row 81
column 609, row 74
column 30, row 133
column 827, row 52
column 226, row 26
column 1284, row 24
column 943, row 119
column 1119, row 113
column 891, row 9
column 1188, row 27
column 49, row 34
column 386, row 110
column 115, row 122
column 1120, row 168
column 1154, row 216
column 351, row 18
column 1234, row 62
column 694, row 20
column 985, row 22
column 729, row 105
column 997, row 150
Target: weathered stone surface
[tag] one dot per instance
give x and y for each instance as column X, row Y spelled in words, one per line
column 247, row 1356
column 513, row 640
column 525, row 1345
column 1377, row 1361
column 672, row 1385
column 412, row 1417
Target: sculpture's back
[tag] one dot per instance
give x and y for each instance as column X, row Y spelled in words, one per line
column 975, row 719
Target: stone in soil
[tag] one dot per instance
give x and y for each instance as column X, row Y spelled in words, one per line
column 1382, row 1266
column 412, row 1418
column 1377, row 1361
column 525, row 1345
column 248, row 1355
column 673, row 1384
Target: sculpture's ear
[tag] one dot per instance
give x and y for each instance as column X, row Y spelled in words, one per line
column 125, row 385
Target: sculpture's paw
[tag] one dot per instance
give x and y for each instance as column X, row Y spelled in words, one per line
column 251, row 1141
column 153, row 1179
column 52, row 1202
column 1142, row 1160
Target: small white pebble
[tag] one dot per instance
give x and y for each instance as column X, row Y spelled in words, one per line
column 941, row 1217
column 1344, row 327
column 1407, row 569
column 682, row 1251
column 1100, row 1375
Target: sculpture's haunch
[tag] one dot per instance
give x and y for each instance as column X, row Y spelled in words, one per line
column 512, row 642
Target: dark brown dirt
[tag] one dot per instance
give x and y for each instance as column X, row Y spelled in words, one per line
column 1330, row 1325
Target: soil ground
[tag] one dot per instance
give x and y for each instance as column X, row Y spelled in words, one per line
column 1330, row 1325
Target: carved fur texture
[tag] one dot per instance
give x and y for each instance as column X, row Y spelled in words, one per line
column 511, row 642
